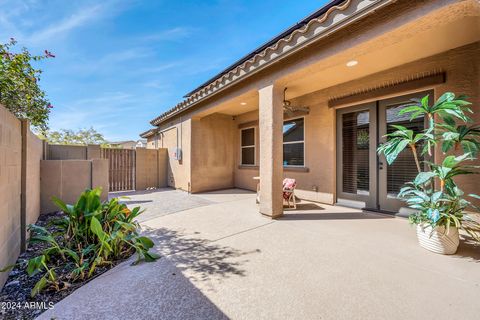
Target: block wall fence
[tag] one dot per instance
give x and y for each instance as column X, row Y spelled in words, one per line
column 28, row 180
column 20, row 155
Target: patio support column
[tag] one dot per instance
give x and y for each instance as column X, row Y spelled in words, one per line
column 271, row 150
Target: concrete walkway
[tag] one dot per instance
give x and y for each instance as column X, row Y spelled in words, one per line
column 221, row 259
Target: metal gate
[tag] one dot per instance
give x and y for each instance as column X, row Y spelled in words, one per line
column 121, row 175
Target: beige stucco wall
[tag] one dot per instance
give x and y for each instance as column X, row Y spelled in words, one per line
column 10, row 189
column 152, row 142
column 319, row 149
column 463, row 77
column 243, row 177
column 67, row 179
column 213, row 153
column 172, row 135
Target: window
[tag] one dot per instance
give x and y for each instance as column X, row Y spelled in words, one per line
column 248, row 147
column 293, row 142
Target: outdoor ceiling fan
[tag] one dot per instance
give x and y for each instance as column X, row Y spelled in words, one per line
column 288, row 108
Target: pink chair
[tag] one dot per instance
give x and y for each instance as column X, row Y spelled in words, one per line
column 289, row 192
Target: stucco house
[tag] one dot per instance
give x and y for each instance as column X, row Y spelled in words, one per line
column 130, row 144
column 314, row 102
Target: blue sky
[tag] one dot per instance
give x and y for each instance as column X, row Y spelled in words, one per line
column 119, row 64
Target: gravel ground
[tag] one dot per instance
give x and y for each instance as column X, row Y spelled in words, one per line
column 15, row 299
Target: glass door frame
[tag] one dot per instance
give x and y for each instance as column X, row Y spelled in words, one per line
column 386, row 204
column 371, row 200
column 377, row 199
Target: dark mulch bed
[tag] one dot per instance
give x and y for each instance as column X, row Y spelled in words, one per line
column 15, row 300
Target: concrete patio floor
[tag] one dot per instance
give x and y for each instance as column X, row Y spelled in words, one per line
column 221, row 259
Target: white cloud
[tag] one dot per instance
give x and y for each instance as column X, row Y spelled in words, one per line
column 110, row 62
column 31, row 24
column 162, row 67
column 118, row 115
column 169, row 34
column 101, row 112
column 63, row 27
column 157, row 85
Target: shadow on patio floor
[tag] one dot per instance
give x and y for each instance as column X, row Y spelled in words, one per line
column 203, row 257
column 469, row 249
column 234, row 191
column 292, row 215
column 116, row 194
column 130, row 202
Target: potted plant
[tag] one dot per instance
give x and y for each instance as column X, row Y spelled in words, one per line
column 438, row 201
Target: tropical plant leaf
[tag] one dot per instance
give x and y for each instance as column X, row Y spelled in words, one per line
column 398, row 147
column 146, row 242
column 151, row 256
column 39, row 286
column 96, row 228
column 423, row 177
column 35, row 265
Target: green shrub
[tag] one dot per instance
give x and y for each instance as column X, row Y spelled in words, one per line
column 91, row 234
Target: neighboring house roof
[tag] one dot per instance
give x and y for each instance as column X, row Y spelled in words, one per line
column 122, row 142
column 148, row 133
column 142, row 142
column 328, row 18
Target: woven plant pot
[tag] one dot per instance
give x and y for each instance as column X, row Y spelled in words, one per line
column 438, row 241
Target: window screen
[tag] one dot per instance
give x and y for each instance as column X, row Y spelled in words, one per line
column 248, row 146
column 293, row 143
column 355, row 158
column 403, row 169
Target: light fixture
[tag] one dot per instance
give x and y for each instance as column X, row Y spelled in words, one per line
column 352, row 63
column 243, row 103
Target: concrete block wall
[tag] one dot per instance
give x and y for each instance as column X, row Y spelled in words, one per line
column 11, row 165
column 151, row 168
column 21, row 154
column 34, row 156
column 162, row 168
column 69, row 152
column 64, row 152
column 67, row 179
column 10, row 189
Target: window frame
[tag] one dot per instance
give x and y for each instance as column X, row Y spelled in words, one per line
column 292, row 142
column 249, row 146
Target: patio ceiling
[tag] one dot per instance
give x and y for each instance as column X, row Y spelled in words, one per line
column 450, row 27
column 414, row 41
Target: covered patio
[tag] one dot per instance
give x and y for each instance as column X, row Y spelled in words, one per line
column 221, row 259
column 340, row 80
